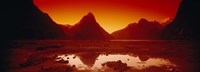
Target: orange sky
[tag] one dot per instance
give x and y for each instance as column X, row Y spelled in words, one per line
column 112, row 15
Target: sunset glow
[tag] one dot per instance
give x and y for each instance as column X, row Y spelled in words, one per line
column 112, row 15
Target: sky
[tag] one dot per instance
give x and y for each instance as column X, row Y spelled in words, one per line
column 112, row 15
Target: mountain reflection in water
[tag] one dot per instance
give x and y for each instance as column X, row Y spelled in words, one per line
column 102, row 56
column 100, row 61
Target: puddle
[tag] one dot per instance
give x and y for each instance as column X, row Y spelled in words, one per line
column 100, row 61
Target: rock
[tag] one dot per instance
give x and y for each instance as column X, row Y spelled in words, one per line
column 116, row 65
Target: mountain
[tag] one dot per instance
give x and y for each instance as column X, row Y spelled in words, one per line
column 25, row 21
column 141, row 30
column 185, row 25
column 87, row 29
column 66, row 29
column 167, row 22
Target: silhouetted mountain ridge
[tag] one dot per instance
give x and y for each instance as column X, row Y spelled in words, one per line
column 87, row 29
column 185, row 25
column 28, row 22
column 141, row 30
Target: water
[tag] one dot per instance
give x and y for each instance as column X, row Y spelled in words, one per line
column 95, row 61
column 102, row 56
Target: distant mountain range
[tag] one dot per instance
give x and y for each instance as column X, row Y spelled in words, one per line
column 28, row 22
column 31, row 23
column 141, row 30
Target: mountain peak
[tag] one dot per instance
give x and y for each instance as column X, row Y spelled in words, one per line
column 89, row 18
column 88, row 28
column 90, row 14
column 143, row 21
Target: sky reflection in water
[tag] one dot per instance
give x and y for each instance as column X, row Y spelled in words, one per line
column 94, row 61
